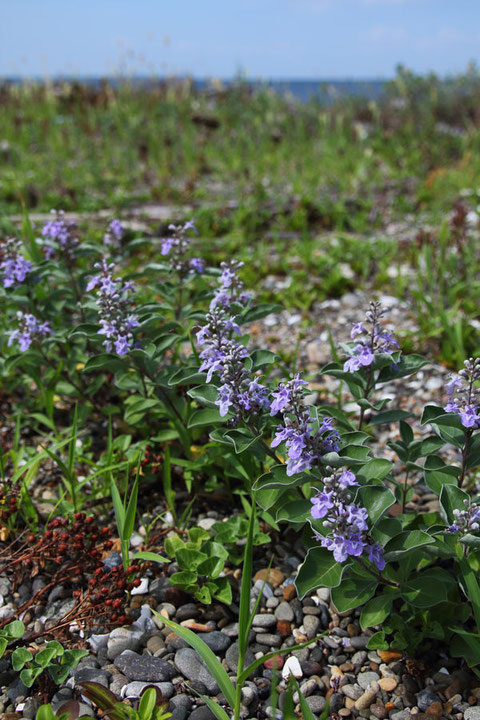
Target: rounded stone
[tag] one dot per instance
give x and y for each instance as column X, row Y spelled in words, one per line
column 284, row 611
column 144, row 667
column 191, row 666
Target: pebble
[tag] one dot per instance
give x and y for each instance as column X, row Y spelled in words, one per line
column 231, row 657
column 264, row 620
column 316, row 703
column 352, row 691
column 401, row 715
column 202, row 713
column 472, row 713
column 134, row 689
column 388, row 683
column 144, row 667
column 187, row 612
column 87, row 674
column 359, row 642
column 365, row 700
column 217, row 641
column 142, row 589
column 365, row 679
column 272, row 603
column 311, row 623
column 425, row 698
column 191, row 666
column 289, row 592
column 269, row 639
column 292, row 667
column 378, row 710
column 155, row 644
column 113, row 560
column 122, row 639
column 359, row 657
column 273, row 575
column 284, row 611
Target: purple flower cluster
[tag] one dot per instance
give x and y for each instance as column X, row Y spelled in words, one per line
column 177, row 245
column 306, row 439
column 370, row 340
column 60, row 236
column 13, row 265
column 230, row 288
column 240, row 392
column 464, row 395
column 466, row 521
column 113, row 233
column 114, row 306
column 347, row 520
column 29, row 330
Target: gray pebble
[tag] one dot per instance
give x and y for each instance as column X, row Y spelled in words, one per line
column 352, row 691
column 89, row 674
column 401, row 715
column 267, row 588
column 191, row 666
column 144, row 667
column 272, row 602
column 359, row 642
column 316, row 703
column 264, row 620
column 202, row 713
column 121, row 639
column 472, row 713
column 187, row 611
column 217, row 641
column 113, row 560
column 269, row 639
column 30, row 708
column 311, row 623
column 366, row 678
column 359, row 657
column 425, row 698
column 231, row 656
column 284, row 612
column 134, row 689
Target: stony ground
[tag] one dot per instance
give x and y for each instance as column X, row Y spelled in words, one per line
column 337, row 667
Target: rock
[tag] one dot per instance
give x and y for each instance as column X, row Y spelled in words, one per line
column 191, row 666
column 316, row 703
column 231, row 630
column 359, row 657
column 352, row 691
column 359, row 642
column 264, row 620
column 269, row 639
column 336, row 702
column 30, row 708
column 274, row 576
column 366, row 678
column 388, row 683
column 401, row 715
column 274, row 662
column 217, row 641
column 180, row 706
column 284, row 628
column 289, row 592
column 97, row 642
column 284, row 611
column 187, row 612
column 17, row 691
column 134, row 689
column 272, row 603
column 155, row 644
column 144, row 667
column 425, row 698
column 142, row 589
column 378, row 710
column 365, row 700
column 113, row 560
column 202, row 713
column 231, row 656
column 292, row 667
column 122, row 639
column 92, row 674
column 311, row 623
column 472, row 713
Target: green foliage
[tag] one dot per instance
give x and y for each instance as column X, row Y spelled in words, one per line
column 12, row 631
column 150, row 706
column 52, row 658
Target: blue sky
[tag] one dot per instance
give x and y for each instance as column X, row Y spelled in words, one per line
column 219, row 38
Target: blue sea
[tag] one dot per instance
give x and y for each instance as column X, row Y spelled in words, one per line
column 325, row 91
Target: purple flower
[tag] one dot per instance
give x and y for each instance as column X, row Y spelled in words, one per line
column 466, row 521
column 464, row 395
column 346, row 520
column 113, row 233
column 197, row 264
column 372, row 340
column 60, row 236
column 13, row 265
column 113, row 302
column 231, row 287
column 167, row 245
column 29, row 330
column 177, row 247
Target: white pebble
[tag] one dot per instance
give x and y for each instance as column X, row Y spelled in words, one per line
column 292, row 667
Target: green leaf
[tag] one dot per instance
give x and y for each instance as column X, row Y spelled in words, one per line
column 426, row 590
column 136, row 411
column 43, row 657
column 376, row 611
column 436, row 479
column 390, row 416
column 20, row 656
column 15, row 629
column 206, row 416
column 206, row 394
column 406, row 541
column 59, row 673
column 147, row 704
column 353, row 592
column 452, row 498
column 242, row 439
column 45, row 712
column 375, row 469
column 319, row 569
column 187, row 376
column 184, row 577
column 216, row 668
column 215, row 708
column 105, row 361
column 407, row 365
column 376, row 499
column 260, row 358
column 149, row 556
column 277, row 477
column 377, row 641
column 28, row 676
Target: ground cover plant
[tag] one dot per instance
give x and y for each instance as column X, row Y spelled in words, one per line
column 138, row 393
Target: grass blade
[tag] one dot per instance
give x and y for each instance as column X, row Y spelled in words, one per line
column 218, row 711
column 208, row 657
